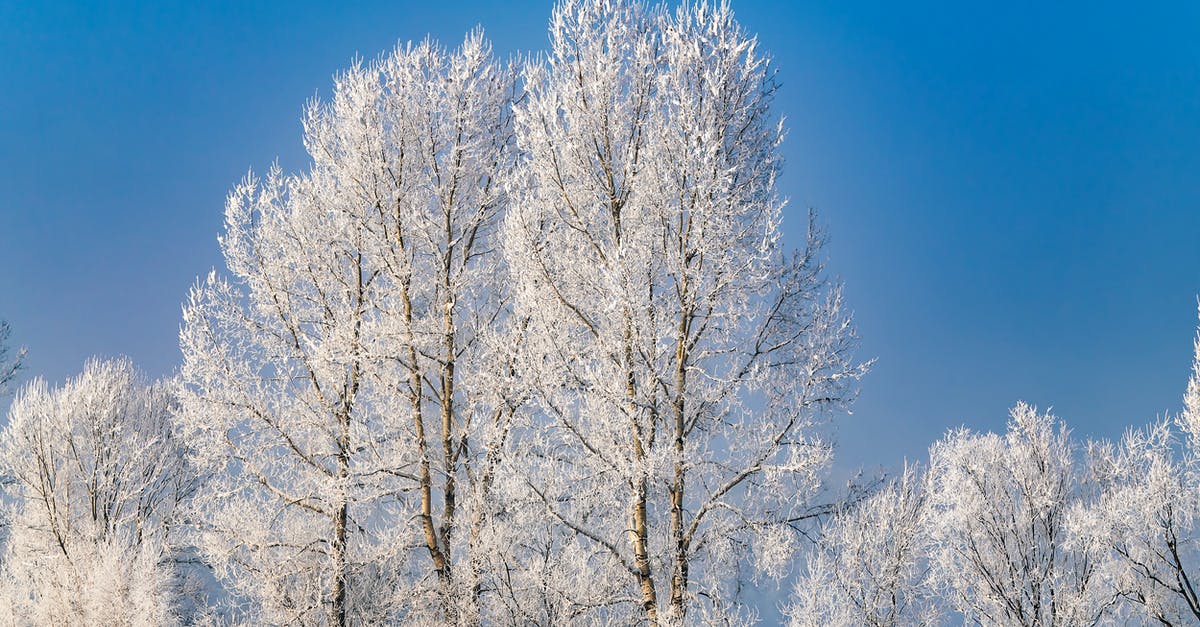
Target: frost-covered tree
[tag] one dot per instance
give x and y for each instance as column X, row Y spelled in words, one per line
column 870, row 565
column 274, row 384
column 1025, row 531
column 430, row 167
column 1148, row 512
column 341, row 387
column 1005, row 554
column 98, row 475
column 680, row 355
column 10, row 363
column 1146, row 520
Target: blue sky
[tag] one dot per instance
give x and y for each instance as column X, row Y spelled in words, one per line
column 1012, row 191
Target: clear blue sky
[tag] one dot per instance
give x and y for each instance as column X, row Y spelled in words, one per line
column 1013, row 191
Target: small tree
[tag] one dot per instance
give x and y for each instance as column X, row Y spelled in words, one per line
column 1147, row 516
column 1145, row 522
column 99, row 476
column 870, row 565
column 1005, row 554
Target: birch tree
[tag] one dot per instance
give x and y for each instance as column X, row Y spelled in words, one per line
column 1005, row 554
column 349, row 454
column 98, row 477
column 681, row 356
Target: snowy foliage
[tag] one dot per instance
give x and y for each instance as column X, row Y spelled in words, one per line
column 1189, row 419
column 97, row 477
column 384, row 437
column 1146, row 519
column 1147, row 515
column 1023, row 529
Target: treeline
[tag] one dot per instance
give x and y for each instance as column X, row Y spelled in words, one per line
column 1030, row 527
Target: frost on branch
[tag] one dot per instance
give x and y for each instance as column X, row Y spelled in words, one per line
column 1145, row 520
column 1146, row 515
column 1189, row 419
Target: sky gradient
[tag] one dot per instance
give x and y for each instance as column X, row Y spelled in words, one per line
column 1011, row 193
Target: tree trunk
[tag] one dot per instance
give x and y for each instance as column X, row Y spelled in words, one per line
column 449, row 461
column 679, row 579
column 440, row 564
column 639, row 532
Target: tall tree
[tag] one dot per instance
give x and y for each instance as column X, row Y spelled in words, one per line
column 349, row 453
column 434, row 185
column 98, row 477
column 681, row 355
